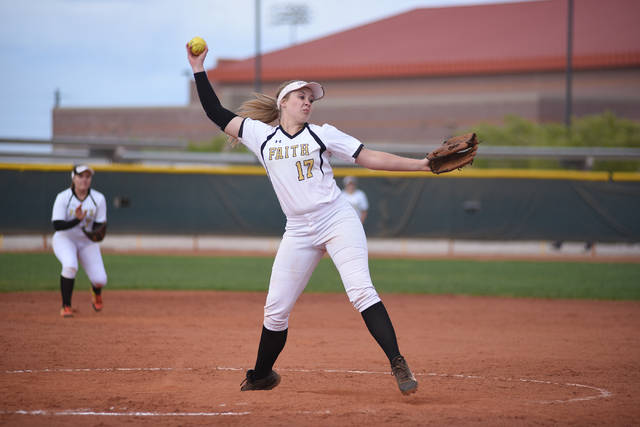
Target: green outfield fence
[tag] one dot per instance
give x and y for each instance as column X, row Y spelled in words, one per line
column 469, row 204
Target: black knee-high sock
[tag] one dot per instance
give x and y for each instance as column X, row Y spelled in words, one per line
column 379, row 324
column 66, row 289
column 271, row 344
column 96, row 290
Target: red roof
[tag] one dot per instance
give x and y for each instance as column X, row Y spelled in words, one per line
column 493, row 38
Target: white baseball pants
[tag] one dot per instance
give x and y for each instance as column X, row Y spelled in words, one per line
column 69, row 251
column 335, row 229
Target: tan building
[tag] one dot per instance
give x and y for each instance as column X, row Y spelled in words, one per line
column 424, row 74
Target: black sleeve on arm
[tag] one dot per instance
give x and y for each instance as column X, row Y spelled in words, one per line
column 210, row 102
column 61, row 224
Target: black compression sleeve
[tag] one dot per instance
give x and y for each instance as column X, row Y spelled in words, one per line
column 210, row 102
column 61, row 224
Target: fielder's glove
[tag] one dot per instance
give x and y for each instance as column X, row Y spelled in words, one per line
column 454, row 153
column 96, row 235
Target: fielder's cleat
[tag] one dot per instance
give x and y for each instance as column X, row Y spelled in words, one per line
column 66, row 311
column 266, row 383
column 96, row 301
column 406, row 381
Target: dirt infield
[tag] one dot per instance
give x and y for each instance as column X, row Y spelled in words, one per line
column 177, row 358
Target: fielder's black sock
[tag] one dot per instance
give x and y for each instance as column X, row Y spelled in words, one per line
column 379, row 325
column 66, row 289
column 271, row 344
column 97, row 290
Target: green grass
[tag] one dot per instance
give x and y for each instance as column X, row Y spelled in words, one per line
column 615, row 281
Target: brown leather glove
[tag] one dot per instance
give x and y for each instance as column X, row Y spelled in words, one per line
column 454, row 153
column 98, row 234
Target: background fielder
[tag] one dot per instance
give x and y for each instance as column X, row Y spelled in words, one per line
column 77, row 211
column 356, row 197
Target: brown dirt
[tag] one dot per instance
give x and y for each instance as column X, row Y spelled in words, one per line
column 480, row 361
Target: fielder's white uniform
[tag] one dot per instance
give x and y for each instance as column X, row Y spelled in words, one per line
column 358, row 200
column 319, row 218
column 72, row 244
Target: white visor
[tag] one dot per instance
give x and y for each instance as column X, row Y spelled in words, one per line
column 77, row 170
column 316, row 90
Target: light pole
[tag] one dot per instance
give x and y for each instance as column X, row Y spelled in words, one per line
column 257, row 85
column 568, row 96
column 290, row 14
column 56, row 98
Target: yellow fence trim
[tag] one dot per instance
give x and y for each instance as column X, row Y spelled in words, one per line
column 626, row 176
column 483, row 173
column 339, row 172
column 42, row 167
column 217, row 170
column 214, row 170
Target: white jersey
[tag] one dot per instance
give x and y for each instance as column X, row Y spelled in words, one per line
column 64, row 208
column 298, row 165
column 358, row 200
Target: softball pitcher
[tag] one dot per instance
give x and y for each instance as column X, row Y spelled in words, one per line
column 79, row 218
column 296, row 157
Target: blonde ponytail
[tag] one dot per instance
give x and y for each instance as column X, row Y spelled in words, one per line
column 262, row 107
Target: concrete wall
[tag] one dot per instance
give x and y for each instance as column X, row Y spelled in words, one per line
column 183, row 123
column 393, row 110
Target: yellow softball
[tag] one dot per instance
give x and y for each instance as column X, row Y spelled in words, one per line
column 197, row 45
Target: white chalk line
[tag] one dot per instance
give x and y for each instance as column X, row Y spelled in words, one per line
column 601, row 392
column 123, row 414
column 58, row 370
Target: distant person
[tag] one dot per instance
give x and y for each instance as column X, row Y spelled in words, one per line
column 80, row 218
column 356, row 197
column 296, row 156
